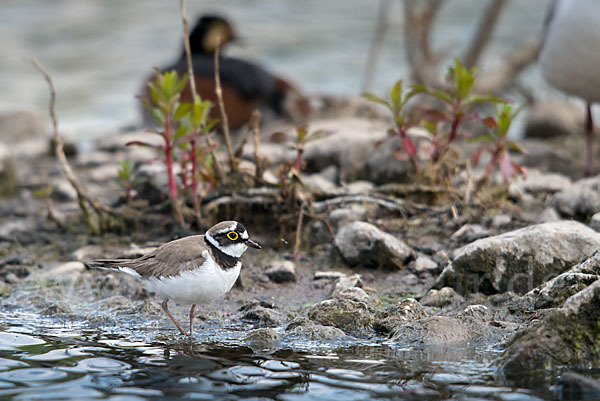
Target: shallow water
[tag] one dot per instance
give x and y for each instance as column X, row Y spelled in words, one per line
column 45, row 358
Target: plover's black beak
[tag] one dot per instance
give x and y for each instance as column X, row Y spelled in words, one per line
column 253, row 244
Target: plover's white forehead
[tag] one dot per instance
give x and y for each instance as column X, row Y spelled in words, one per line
column 228, row 228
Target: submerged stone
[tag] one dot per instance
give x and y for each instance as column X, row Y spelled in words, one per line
column 344, row 314
column 304, row 327
column 567, row 336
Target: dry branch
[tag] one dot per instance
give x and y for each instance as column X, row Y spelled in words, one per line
column 418, row 26
column 377, row 43
column 224, row 120
column 484, row 32
column 514, row 63
column 83, row 198
column 259, row 162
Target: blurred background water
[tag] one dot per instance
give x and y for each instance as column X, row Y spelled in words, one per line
column 98, row 51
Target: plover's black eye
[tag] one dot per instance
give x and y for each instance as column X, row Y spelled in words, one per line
column 232, row 235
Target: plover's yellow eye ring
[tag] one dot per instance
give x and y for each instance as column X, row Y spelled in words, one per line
column 232, row 235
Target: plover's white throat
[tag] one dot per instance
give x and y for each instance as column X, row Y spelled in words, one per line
column 191, row 270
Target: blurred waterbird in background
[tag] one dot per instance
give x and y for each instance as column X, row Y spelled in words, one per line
column 570, row 56
column 246, row 86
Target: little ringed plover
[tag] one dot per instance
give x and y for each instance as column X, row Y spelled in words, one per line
column 191, row 270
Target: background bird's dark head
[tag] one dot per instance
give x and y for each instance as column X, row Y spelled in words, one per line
column 210, row 32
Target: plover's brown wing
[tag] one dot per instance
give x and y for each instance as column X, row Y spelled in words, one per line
column 167, row 260
column 172, row 258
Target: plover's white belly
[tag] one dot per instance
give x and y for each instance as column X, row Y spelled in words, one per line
column 197, row 286
column 570, row 58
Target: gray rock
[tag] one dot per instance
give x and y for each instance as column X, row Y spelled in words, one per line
column 551, row 118
column 555, row 291
column 305, row 327
column 501, row 220
column 573, row 386
column 548, row 215
column 344, row 314
column 519, row 260
column 386, row 163
column 261, row 335
column 67, row 268
column 567, row 336
column 63, row 191
column 343, row 216
column 263, row 313
column 580, row 199
column 440, row 298
column 595, row 222
column 354, row 294
column 424, row 265
column 319, row 183
column 105, row 173
column 20, row 126
column 388, row 319
column 537, row 183
column 328, row 275
column 346, row 282
column 480, row 312
column 445, row 330
column 358, row 136
column 363, row 244
column 470, row 232
column 359, row 187
column 318, row 233
column 282, row 271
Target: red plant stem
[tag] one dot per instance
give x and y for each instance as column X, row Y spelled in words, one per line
column 195, row 182
column 454, row 129
column 413, row 158
column 169, row 161
column 493, row 162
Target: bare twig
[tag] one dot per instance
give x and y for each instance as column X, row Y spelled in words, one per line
column 255, row 126
column 83, row 198
column 188, row 51
column 224, row 120
column 216, row 162
column 387, row 203
column 484, row 31
column 298, row 232
column 418, row 25
column 469, row 187
column 377, row 43
column 240, row 199
column 514, row 63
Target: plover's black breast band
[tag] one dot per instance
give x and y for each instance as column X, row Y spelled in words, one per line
column 225, row 261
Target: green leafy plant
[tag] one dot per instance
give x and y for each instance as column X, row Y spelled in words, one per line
column 497, row 145
column 299, row 141
column 184, row 128
column 293, row 192
column 458, row 106
column 164, row 105
column 403, row 119
column 127, row 179
column 191, row 137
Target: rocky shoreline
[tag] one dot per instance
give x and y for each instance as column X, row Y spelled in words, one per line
column 521, row 273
